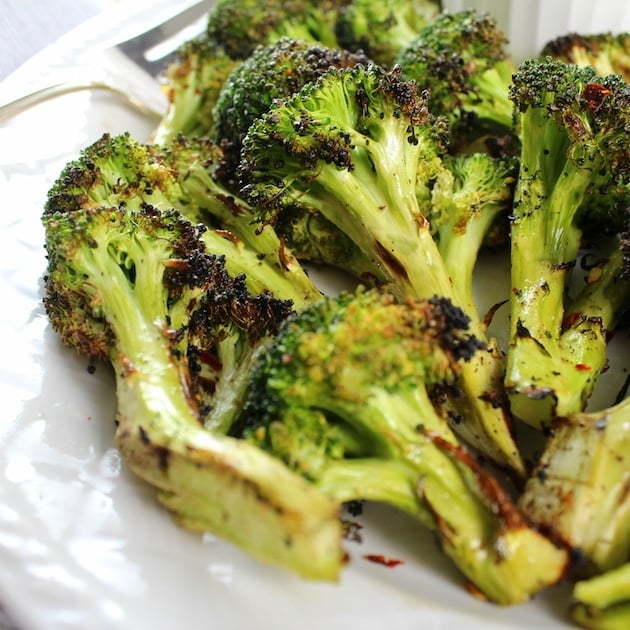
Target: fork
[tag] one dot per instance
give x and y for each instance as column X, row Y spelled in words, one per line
column 125, row 68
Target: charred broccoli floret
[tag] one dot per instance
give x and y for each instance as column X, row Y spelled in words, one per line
column 472, row 194
column 461, row 58
column 382, row 30
column 123, row 286
column 344, row 396
column 573, row 128
column 192, row 84
column 240, row 26
column 351, row 146
column 607, row 53
column 272, row 72
column 118, row 170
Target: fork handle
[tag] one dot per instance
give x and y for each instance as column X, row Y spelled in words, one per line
column 19, row 105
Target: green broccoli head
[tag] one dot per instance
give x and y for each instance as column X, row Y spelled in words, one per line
column 461, row 58
column 383, row 30
column 272, row 72
column 241, row 25
column 335, row 359
column 184, row 175
column 192, row 84
column 151, row 264
column 344, row 396
column 606, row 53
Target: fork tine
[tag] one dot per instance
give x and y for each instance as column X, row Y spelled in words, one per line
column 153, row 49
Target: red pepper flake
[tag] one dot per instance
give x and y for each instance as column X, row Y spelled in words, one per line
column 583, row 367
column 379, row 558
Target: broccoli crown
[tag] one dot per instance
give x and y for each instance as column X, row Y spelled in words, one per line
column 358, row 120
column 476, row 183
column 192, row 84
column 273, row 72
column 607, row 53
column 184, row 175
column 111, row 171
column 568, row 112
column 153, row 261
column 241, row 25
column 383, row 30
column 461, row 58
column 343, row 349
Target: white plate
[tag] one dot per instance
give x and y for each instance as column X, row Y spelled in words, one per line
column 83, row 544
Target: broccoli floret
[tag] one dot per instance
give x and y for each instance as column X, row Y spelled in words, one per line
column 240, row 26
column 344, row 397
column 192, row 84
column 578, row 491
column 603, row 602
column 271, row 72
column 461, row 58
column 383, row 30
column 350, row 147
column 123, row 286
column 573, row 128
column 607, row 53
column 472, row 194
column 182, row 175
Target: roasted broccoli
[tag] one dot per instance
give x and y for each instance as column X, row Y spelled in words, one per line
column 607, row 53
column 192, row 83
column 124, row 286
column 472, row 194
column 239, row 26
column 382, row 30
column 461, row 58
column 578, row 491
column 119, row 169
column 573, row 128
column 271, row 72
column 351, row 146
column 603, row 602
column 344, row 396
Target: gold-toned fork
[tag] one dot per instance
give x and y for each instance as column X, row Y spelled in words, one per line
column 147, row 53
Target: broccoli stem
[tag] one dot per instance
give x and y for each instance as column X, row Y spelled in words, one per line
column 603, row 602
column 578, row 490
column 476, row 523
column 545, row 376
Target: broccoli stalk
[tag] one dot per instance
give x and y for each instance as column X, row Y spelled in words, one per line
column 122, row 286
column 573, row 129
column 578, row 491
column 382, row 30
column 603, row 602
column 470, row 196
column 192, row 84
column 350, row 146
column 344, row 396
column 120, row 170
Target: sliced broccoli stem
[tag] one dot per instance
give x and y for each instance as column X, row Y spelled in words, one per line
column 603, row 602
column 578, row 490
